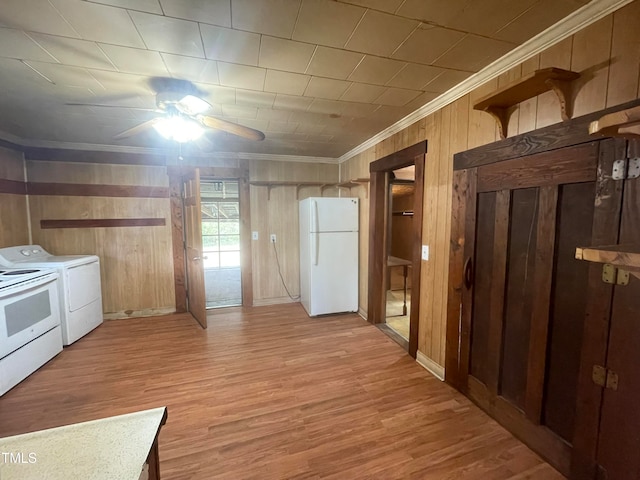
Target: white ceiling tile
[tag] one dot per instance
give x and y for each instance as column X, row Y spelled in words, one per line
column 380, row 33
column 119, row 84
column 16, row 44
column 415, row 76
column 284, row 55
column 310, row 128
column 473, row 53
column 362, row 92
column 421, row 100
column 134, row 60
column 445, row 81
column 353, row 109
column 230, row 45
column 271, row 17
column 194, row 69
column 241, row 76
column 330, row 107
column 281, row 127
column 215, row 12
column 66, row 75
column 291, row 102
column 239, row 111
column 333, row 63
column 396, row 97
column 326, row 22
column 314, row 118
column 255, row 99
column 150, row 6
column 34, row 16
column 389, row 6
column 326, row 88
column 376, row 70
column 100, row 23
column 218, row 94
column 71, row 51
column 427, row 43
column 170, row 35
column 273, row 114
column 284, row 82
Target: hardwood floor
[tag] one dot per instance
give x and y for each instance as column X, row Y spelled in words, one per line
column 268, row 393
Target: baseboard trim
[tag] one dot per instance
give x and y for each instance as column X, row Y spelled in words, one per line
column 362, row 313
column 431, row 366
column 148, row 312
column 263, row 302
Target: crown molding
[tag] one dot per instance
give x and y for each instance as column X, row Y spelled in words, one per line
column 91, row 147
column 576, row 21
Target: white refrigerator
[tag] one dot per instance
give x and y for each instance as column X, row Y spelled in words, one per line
column 329, row 255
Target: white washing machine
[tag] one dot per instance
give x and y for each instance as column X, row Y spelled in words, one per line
column 79, row 290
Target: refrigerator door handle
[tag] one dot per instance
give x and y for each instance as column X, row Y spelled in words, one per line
column 314, row 216
column 315, row 239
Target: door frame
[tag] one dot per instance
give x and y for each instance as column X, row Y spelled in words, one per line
column 380, row 172
column 241, row 174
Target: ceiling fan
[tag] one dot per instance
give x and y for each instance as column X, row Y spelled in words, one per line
column 182, row 110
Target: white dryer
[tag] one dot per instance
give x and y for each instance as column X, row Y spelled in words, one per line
column 79, row 290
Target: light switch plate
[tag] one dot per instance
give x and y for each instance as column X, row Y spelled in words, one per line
column 254, row 235
column 425, row 252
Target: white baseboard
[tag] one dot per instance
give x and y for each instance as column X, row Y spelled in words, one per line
column 263, row 302
column 431, row 366
column 148, row 312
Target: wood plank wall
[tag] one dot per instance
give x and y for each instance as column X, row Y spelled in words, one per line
column 14, row 229
column 279, row 214
column 607, row 54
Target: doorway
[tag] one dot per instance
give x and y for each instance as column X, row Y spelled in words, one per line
column 380, row 260
column 220, row 207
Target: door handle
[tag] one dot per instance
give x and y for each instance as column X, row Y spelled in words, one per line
column 467, row 275
column 195, row 259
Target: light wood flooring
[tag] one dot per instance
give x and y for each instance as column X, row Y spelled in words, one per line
column 268, row 393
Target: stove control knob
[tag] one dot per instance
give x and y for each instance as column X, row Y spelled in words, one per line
column 35, row 250
column 26, row 253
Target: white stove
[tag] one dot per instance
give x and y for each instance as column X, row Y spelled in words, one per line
column 14, row 277
column 30, row 331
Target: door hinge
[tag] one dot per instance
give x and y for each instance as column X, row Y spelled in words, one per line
column 614, row 275
column 604, row 377
column 626, row 168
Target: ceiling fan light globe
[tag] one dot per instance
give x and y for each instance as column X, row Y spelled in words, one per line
column 192, row 105
column 178, row 128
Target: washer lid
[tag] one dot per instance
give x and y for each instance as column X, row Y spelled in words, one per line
column 57, row 261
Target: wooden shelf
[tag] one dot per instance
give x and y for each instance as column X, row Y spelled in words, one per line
column 356, row 182
column 499, row 104
column 300, row 185
column 625, row 257
column 625, row 123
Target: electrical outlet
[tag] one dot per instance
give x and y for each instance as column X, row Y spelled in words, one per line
column 273, row 238
column 425, row 252
column 254, row 235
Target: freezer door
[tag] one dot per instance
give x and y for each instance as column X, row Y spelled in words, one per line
column 333, row 214
column 333, row 273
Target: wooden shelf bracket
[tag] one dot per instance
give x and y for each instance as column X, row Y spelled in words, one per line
column 502, row 103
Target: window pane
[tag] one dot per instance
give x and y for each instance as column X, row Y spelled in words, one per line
column 210, row 242
column 229, row 227
column 211, row 260
column 229, row 242
column 210, row 227
column 229, row 259
column 229, row 210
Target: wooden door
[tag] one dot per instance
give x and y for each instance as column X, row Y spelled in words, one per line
column 619, row 432
column 524, row 295
column 196, row 296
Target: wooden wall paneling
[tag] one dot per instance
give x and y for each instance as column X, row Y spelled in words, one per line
column 13, row 202
column 455, row 284
column 548, row 107
column 378, row 206
column 591, row 58
column 625, row 55
column 86, row 156
column 540, row 312
column 620, row 421
column 89, row 190
column 569, row 165
column 606, row 223
column 528, row 109
column 124, row 176
column 11, row 165
column 103, row 223
column 503, row 79
column 570, row 133
column 483, row 128
column 498, row 283
column 426, row 294
column 245, row 240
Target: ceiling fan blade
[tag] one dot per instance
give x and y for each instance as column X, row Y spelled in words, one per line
column 233, row 128
column 137, row 129
column 112, row 106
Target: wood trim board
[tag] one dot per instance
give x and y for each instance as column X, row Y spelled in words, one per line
column 103, row 223
column 15, row 187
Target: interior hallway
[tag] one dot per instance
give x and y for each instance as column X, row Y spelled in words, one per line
column 269, row 393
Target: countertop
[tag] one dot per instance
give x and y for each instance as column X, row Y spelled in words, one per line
column 113, row 448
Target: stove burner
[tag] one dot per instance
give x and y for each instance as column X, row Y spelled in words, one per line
column 20, row 272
